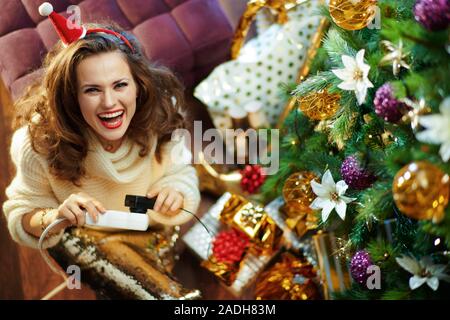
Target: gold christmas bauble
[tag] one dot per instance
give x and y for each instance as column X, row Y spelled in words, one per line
column 421, row 191
column 352, row 14
column 297, row 191
column 319, row 105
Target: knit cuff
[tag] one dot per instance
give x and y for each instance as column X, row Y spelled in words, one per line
column 22, row 237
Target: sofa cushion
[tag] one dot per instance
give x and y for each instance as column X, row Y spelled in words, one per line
column 163, row 40
column 204, row 27
column 10, row 22
column 103, row 10
column 188, row 36
column 142, row 10
column 31, row 7
column 22, row 52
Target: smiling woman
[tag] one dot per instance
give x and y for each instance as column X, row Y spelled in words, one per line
column 107, row 96
column 96, row 127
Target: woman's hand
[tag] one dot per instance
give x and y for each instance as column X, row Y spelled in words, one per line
column 168, row 202
column 73, row 209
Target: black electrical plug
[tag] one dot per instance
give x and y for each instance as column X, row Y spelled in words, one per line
column 139, row 204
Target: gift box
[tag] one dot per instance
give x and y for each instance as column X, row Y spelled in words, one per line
column 243, row 88
column 233, row 218
column 289, row 277
column 323, row 250
column 291, row 238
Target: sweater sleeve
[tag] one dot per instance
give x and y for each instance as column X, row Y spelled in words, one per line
column 29, row 190
column 182, row 176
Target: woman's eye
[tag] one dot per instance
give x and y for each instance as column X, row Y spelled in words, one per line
column 121, row 85
column 89, row 90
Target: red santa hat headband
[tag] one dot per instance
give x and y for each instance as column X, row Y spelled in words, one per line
column 75, row 32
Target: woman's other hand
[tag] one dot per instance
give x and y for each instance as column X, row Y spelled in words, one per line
column 169, row 201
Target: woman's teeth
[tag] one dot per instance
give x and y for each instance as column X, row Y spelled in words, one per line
column 110, row 116
column 111, row 120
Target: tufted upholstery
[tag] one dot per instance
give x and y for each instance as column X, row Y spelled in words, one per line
column 189, row 36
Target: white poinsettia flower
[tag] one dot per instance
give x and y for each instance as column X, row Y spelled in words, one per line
column 355, row 75
column 330, row 196
column 437, row 129
column 424, row 271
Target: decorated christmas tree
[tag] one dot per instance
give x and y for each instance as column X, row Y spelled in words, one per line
column 365, row 151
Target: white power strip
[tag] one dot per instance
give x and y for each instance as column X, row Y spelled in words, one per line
column 120, row 220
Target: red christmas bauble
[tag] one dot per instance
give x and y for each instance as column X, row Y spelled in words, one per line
column 252, row 178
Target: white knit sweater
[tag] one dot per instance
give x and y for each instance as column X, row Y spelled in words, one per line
column 110, row 176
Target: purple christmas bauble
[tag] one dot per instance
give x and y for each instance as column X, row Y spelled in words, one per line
column 386, row 106
column 433, row 14
column 358, row 266
column 354, row 175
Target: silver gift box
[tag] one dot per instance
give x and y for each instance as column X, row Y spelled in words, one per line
column 200, row 242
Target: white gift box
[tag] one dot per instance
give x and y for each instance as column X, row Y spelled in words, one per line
column 264, row 63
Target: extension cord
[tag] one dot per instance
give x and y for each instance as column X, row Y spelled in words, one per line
column 56, row 270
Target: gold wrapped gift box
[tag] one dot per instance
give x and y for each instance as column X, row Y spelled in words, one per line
column 233, row 211
column 291, row 277
column 253, row 221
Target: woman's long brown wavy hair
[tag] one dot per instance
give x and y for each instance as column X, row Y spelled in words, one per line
column 50, row 106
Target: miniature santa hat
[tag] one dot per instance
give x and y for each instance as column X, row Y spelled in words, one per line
column 67, row 35
column 75, row 32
